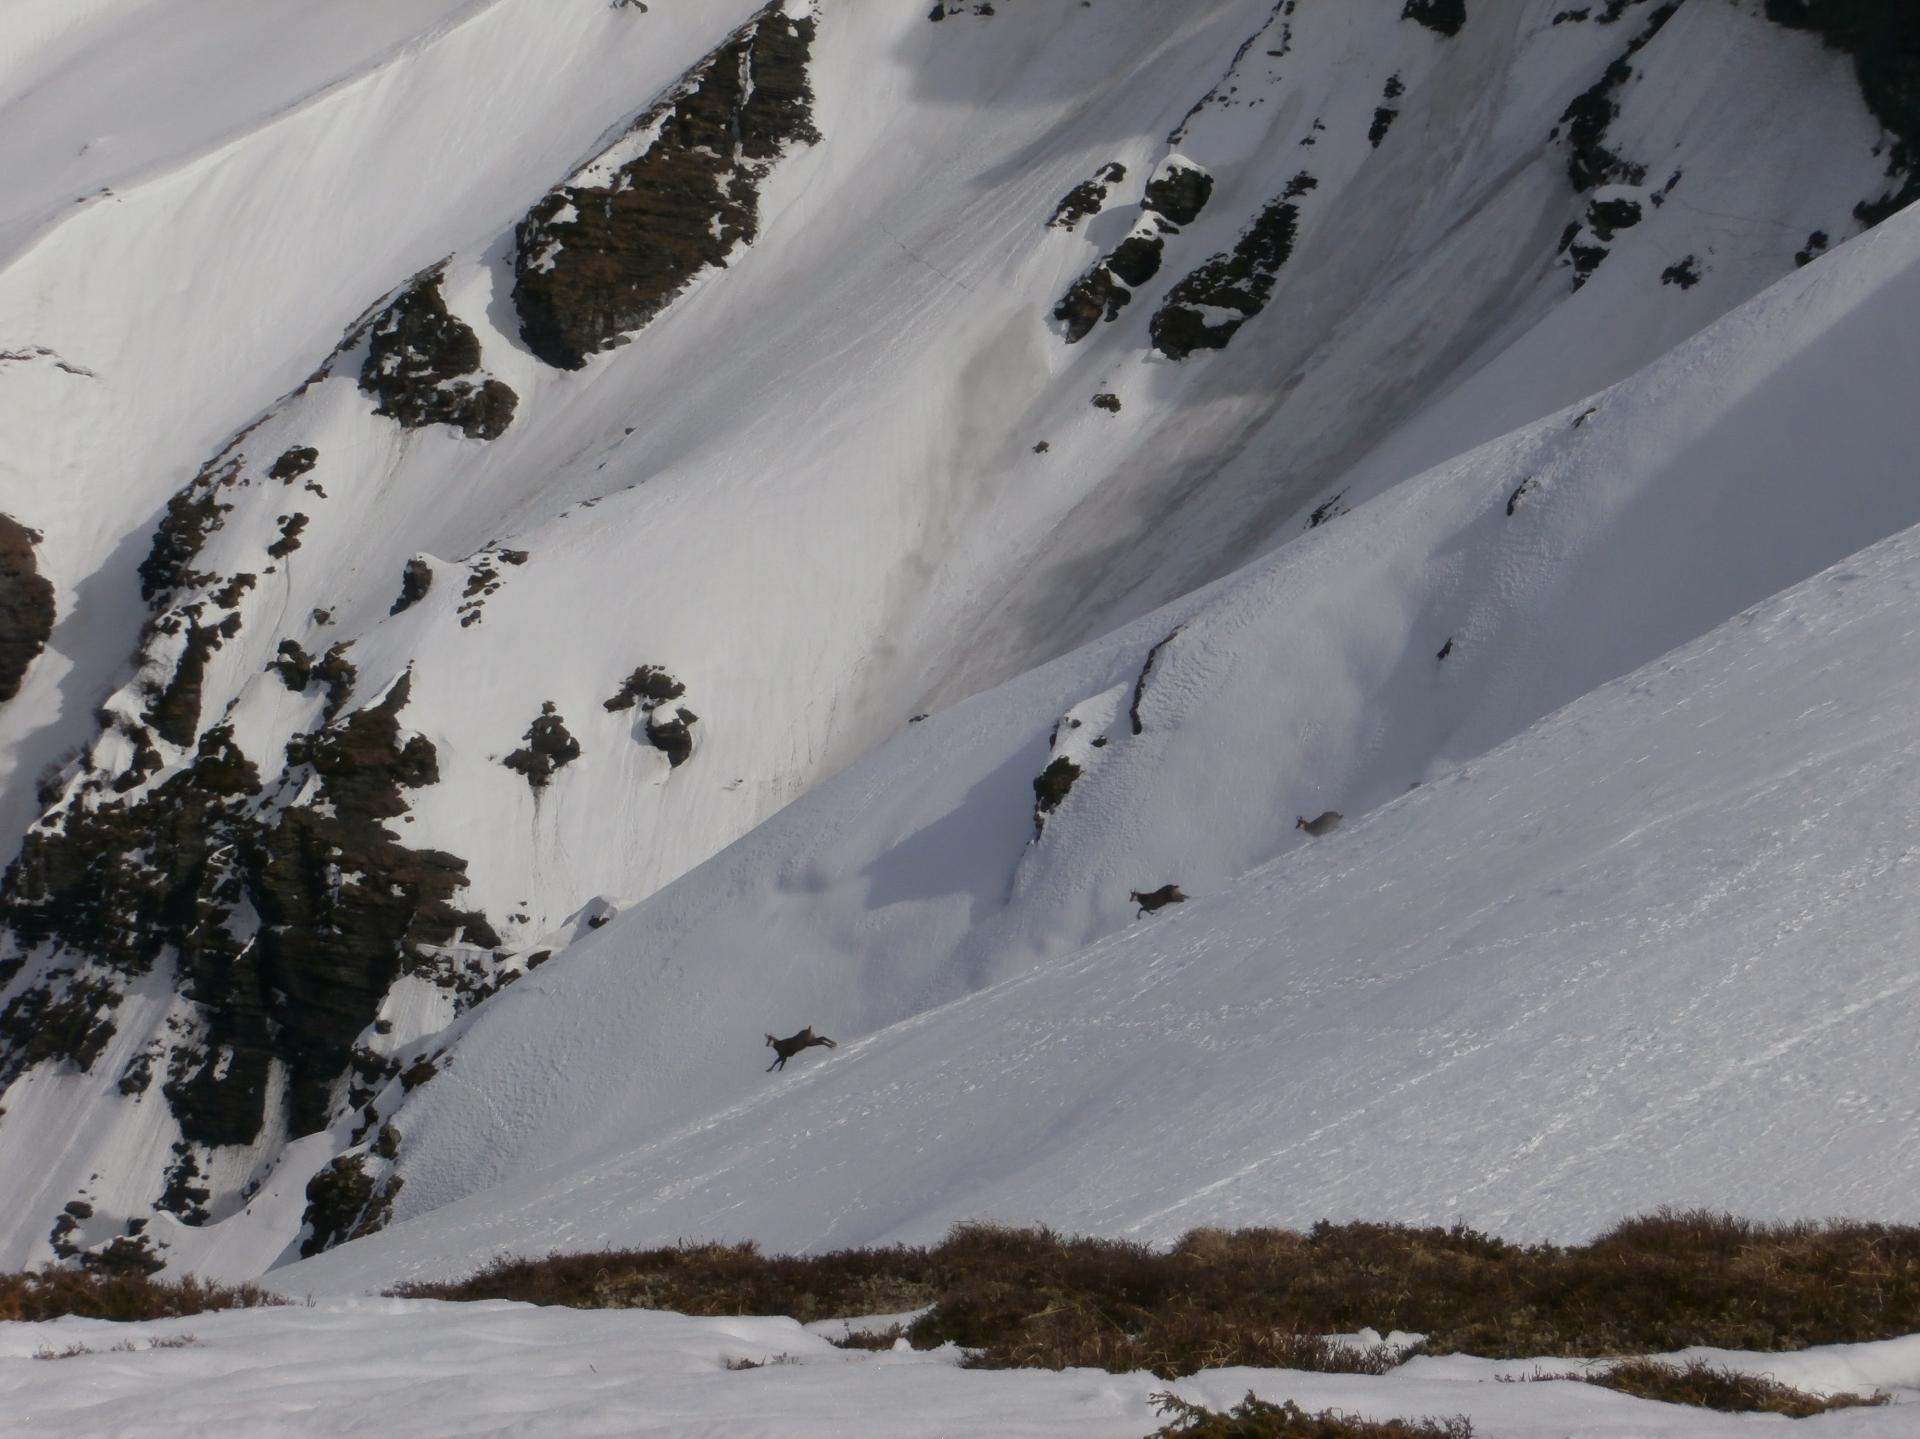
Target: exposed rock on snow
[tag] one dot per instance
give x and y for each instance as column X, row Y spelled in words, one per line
column 415, row 580
column 1087, row 198
column 548, row 748
column 669, row 730
column 424, row 366
column 1206, row 309
column 1444, row 17
column 601, row 256
column 26, row 605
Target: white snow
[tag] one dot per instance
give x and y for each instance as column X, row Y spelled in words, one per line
column 1657, row 949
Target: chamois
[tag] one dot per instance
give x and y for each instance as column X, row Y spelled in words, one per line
column 785, row 1049
column 1157, row 899
column 1321, row 824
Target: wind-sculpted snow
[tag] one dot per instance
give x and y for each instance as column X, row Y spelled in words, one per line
column 800, row 491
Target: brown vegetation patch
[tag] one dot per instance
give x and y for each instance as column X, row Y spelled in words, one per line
column 1708, row 1386
column 54, row 1293
column 1255, row 1418
column 1266, row 1296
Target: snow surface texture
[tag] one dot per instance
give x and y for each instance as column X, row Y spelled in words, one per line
column 852, row 476
column 431, row 1370
column 1655, row 950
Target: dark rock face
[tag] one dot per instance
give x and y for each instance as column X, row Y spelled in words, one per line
column 343, row 908
column 597, row 261
column 1590, row 161
column 1240, row 282
column 415, row 580
column 1180, row 192
column 1052, row 786
column 344, row 1201
column 191, row 516
column 1444, row 17
column 1387, row 112
column 423, row 364
column 548, row 747
column 672, row 735
column 26, row 606
column 1175, row 197
column 1140, row 685
column 1087, row 198
column 652, row 689
column 1883, row 37
column 1608, row 217
column 1107, row 289
column 296, row 462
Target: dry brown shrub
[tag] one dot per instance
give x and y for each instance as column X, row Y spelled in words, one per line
column 1667, row 1281
column 1708, row 1386
column 1255, row 1418
column 53, row 1293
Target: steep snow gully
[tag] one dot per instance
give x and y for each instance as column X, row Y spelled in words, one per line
column 541, row 539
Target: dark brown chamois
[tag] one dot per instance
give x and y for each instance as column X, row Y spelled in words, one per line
column 1157, row 899
column 1320, row 824
column 785, row 1049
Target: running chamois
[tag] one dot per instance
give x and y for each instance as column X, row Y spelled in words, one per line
column 785, row 1049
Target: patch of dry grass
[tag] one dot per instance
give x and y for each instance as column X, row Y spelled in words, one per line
column 1033, row 1298
column 1254, row 1418
column 53, row 1293
column 1709, row 1386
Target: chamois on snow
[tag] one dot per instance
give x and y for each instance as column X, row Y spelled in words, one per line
column 785, row 1049
column 1320, row 824
column 1156, row 899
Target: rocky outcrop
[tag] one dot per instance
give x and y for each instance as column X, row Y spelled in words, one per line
column 423, row 364
column 1179, row 190
column 549, row 747
column 346, row 1201
column 1053, row 785
column 669, row 730
column 1443, row 17
column 598, row 258
column 1590, row 160
column 1087, row 198
column 191, row 516
column 1177, row 193
column 26, row 605
column 415, row 580
column 288, row 926
column 1206, row 309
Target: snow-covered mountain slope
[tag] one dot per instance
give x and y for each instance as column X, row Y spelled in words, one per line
column 1655, row 949
column 703, row 392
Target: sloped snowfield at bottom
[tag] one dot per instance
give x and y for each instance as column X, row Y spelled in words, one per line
column 425, row 1369
column 1658, row 949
